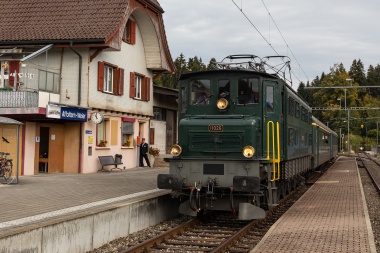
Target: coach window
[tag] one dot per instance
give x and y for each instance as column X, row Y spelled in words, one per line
column 269, row 98
column 200, row 92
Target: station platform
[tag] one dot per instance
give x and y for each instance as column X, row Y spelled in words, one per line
column 331, row 216
column 45, row 199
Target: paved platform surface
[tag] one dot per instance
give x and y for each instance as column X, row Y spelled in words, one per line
column 331, row 217
column 43, row 197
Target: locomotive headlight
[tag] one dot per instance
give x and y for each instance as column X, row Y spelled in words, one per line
column 222, row 103
column 248, row 151
column 176, row 150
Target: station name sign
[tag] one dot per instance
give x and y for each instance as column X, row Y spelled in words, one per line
column 67, row 113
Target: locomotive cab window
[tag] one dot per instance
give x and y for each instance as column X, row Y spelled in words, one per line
column 248, row 91
column 200, row 92
column 269, row 98
column 224, row 88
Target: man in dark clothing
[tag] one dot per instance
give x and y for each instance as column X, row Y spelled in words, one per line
column 144, row 149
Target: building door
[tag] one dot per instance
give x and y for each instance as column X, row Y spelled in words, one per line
column 43, row 154
column 50, row 148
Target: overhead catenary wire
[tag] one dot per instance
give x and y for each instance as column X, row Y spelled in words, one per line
column 288, row 47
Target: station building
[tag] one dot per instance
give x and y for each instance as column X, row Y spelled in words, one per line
column 78, row 75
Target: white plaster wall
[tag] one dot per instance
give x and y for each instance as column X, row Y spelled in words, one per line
column 132, row 59
column 30, row 147
column 159, row 135
column 91, row 164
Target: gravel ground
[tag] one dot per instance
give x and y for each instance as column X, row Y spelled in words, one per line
column 371, row 195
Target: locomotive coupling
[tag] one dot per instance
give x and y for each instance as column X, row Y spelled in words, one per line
column 169, row 181
column 246, row 184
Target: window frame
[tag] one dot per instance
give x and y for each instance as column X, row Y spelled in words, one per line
column 43, row 83
column 101, row 132
column 138, row 86
column 129, row 33
column 117, row 79
column 108, row 78
column 144, row 85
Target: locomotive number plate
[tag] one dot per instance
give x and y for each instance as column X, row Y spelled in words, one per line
column 215, row 128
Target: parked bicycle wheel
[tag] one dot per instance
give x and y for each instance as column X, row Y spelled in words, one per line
column 8, row 175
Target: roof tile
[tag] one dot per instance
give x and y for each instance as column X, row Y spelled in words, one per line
column 31, row 20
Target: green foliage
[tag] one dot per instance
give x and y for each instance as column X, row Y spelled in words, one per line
column 170, row 80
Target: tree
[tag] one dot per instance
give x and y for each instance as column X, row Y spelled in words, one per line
column 212, row 64
column 171, row 80
column 195, row 64
column 373, row 79
column 357, row 73
column 306, row 94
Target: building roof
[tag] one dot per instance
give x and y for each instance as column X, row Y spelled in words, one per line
column 36, row 21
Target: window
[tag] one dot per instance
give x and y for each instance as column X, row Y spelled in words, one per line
column 200, row 92
column 48, row 81
column 101, row 139
column 291, row 106
column 110, row 78
column 224, row 88
column 159, row 113
column 248, row 91
column 297, row 110
column 127, row 133
column 129, row 34
column 269, row 98
column 139, row 87
column 292, row 136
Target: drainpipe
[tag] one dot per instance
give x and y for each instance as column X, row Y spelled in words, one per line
column 79, row 101
column 80, row 72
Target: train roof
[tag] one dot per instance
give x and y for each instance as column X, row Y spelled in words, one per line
column 218, row 71
column 318, row 123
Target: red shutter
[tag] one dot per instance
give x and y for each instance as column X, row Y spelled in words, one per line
column 133, row 32
column 101, row 76
column 147, row 83
column 144, row 91
column 115, row 83
column 132, row 85
column 120, row 81
column 14, row 66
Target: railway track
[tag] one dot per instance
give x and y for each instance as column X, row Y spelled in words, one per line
column 372, row 167
column 217, row 232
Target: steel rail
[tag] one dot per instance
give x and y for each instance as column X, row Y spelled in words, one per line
column 375, row 181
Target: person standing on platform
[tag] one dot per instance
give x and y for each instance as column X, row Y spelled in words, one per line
column 144, row 148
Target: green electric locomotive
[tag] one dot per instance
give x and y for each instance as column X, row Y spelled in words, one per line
column 245, row 140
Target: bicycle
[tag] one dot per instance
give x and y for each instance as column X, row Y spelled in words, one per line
column 6, row 168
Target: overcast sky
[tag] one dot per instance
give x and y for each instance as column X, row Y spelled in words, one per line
column 318, row 33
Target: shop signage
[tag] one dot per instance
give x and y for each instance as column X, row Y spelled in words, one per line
column 68, row 113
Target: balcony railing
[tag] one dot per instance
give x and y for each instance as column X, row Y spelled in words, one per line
column 18, row 99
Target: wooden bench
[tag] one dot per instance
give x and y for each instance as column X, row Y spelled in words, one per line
column 108, row 160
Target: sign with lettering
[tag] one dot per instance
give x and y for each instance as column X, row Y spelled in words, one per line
column 67, row 113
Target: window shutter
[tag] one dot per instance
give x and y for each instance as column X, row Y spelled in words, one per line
column 132, row 85
column 14, row 66
column 147, row 80
column 120, row 81
column 133, row 32
column 101, row 76
column 144, row 90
